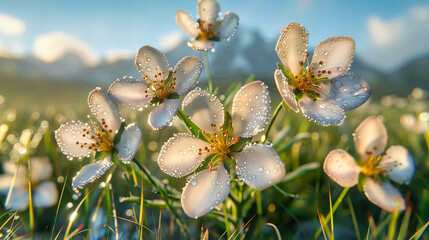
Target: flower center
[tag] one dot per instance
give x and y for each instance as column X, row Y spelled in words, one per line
column 372, row 167
column 162, row 84
column 220, row 146
column 207, row 29
column 103, row 138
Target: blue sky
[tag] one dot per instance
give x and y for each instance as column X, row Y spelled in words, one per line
column 387, row 32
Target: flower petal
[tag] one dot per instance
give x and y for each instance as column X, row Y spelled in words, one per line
column 285, row 90
column 384, row 195
column 72, row 139
column 333, row 55
column 130, row 92
column 18, row 199
column 162, row 115
column 227, row 26
column 45, row 195
column 92, row 171
column 208, row 11
column 186, row 23
column 348, row 91
column 251, row 109
column 259, row 166
column 341, row 167
column 370, row 138
column 204, row 191
column 200, row 45
column 130, row 142
column 292, row 47
column 204, row 109
column 323, row 112
column 182, row 154
column 150, row 62
column 40, row 168
column 399, row 164
column 187, row 73
column 105, row 110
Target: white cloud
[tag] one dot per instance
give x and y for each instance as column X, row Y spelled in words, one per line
column 11, row 26
column 171, row 40
column 53, row 46
column 116, row 55
column 398, row 40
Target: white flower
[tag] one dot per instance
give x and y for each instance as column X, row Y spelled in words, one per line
column 208, row 27
column 78, row 139
column 44, row 192
column 396, row 163
column 162, row 85
column 323, row 90
column 257, row 164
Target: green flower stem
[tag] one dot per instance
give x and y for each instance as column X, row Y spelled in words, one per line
column 336, row 204
column 270, row 124
column 225, row 212
column 207, row 67
column 164, row 195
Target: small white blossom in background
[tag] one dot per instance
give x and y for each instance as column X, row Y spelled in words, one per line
column 208, row 27
column 395, row 163
column 162, row 86
column 257, row 164
column 323, row 90
column 78, row 139
column 44, row 191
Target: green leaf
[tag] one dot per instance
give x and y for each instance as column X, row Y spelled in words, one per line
column 227, row 124
column 167, row 80
column 119, row 134
column 240, row 144
column 303, row 169
column 156, row 101
column 299, row 137
column 285, row 106
column 214, row 38
column 173, row 95
column 215, row 91
column 230, row 92
column 361, row 182
column 285, row 72
column 100, row 155
column 195, row 130
column 229, row 164
column 250, row 79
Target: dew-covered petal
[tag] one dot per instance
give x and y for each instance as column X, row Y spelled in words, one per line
column 92, row 171
column 130, row 142
column 45, row 195
column 130, row 92
column 341, row 167
column 72, row 138
column 40, row 168
column 227, row 26
column 251, row 109
column 182, row 154
column 162, row 115
column 208, row 11
column 200, row 45
column 324, row 112
column 370, row 138
column 105, row 110
column 398, row 163
column 150, row 62
column 186, row 23
column 204, row 109
column 187, row 73
column 348, row 91
column 292, row 47
column 384, row 195
column 259, row 166
column 18, row 199
column 285, row 90
column 333, row 56
column 204, row 191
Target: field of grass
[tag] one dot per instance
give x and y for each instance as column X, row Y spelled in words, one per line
column 139, row 200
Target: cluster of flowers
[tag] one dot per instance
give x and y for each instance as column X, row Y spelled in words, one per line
column 322, row 90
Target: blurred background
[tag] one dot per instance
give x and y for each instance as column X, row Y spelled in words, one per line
column 53, row 53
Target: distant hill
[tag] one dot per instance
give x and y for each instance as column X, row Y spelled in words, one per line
column 247, row 52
